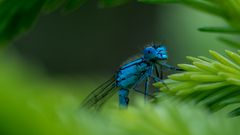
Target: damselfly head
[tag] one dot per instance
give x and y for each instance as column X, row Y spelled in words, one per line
column 155, row 52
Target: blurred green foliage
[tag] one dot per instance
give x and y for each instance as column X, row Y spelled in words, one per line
column 213, row 83
column 18, row 16
column 229, row 10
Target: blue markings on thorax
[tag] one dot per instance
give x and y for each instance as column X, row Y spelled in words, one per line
column 130, row 73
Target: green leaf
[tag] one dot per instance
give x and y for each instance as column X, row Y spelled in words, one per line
column 19, row 19
column 206, row 59
column 230, row 42
column 224, row 60
column 209, row 7
column 51, row 5
column 189, row 67
column 219, row 30
column 234, row 56
column 160, row 1
column 112, row 3
column 235, row 112
column 72, row 5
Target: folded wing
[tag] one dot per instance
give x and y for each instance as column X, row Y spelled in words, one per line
column 100, row 95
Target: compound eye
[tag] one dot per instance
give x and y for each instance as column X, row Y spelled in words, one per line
column 149, row 51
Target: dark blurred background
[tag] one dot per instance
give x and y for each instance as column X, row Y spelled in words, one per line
column 97, row 40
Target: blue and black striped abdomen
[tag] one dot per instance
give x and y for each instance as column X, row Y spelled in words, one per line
column 130, row 73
